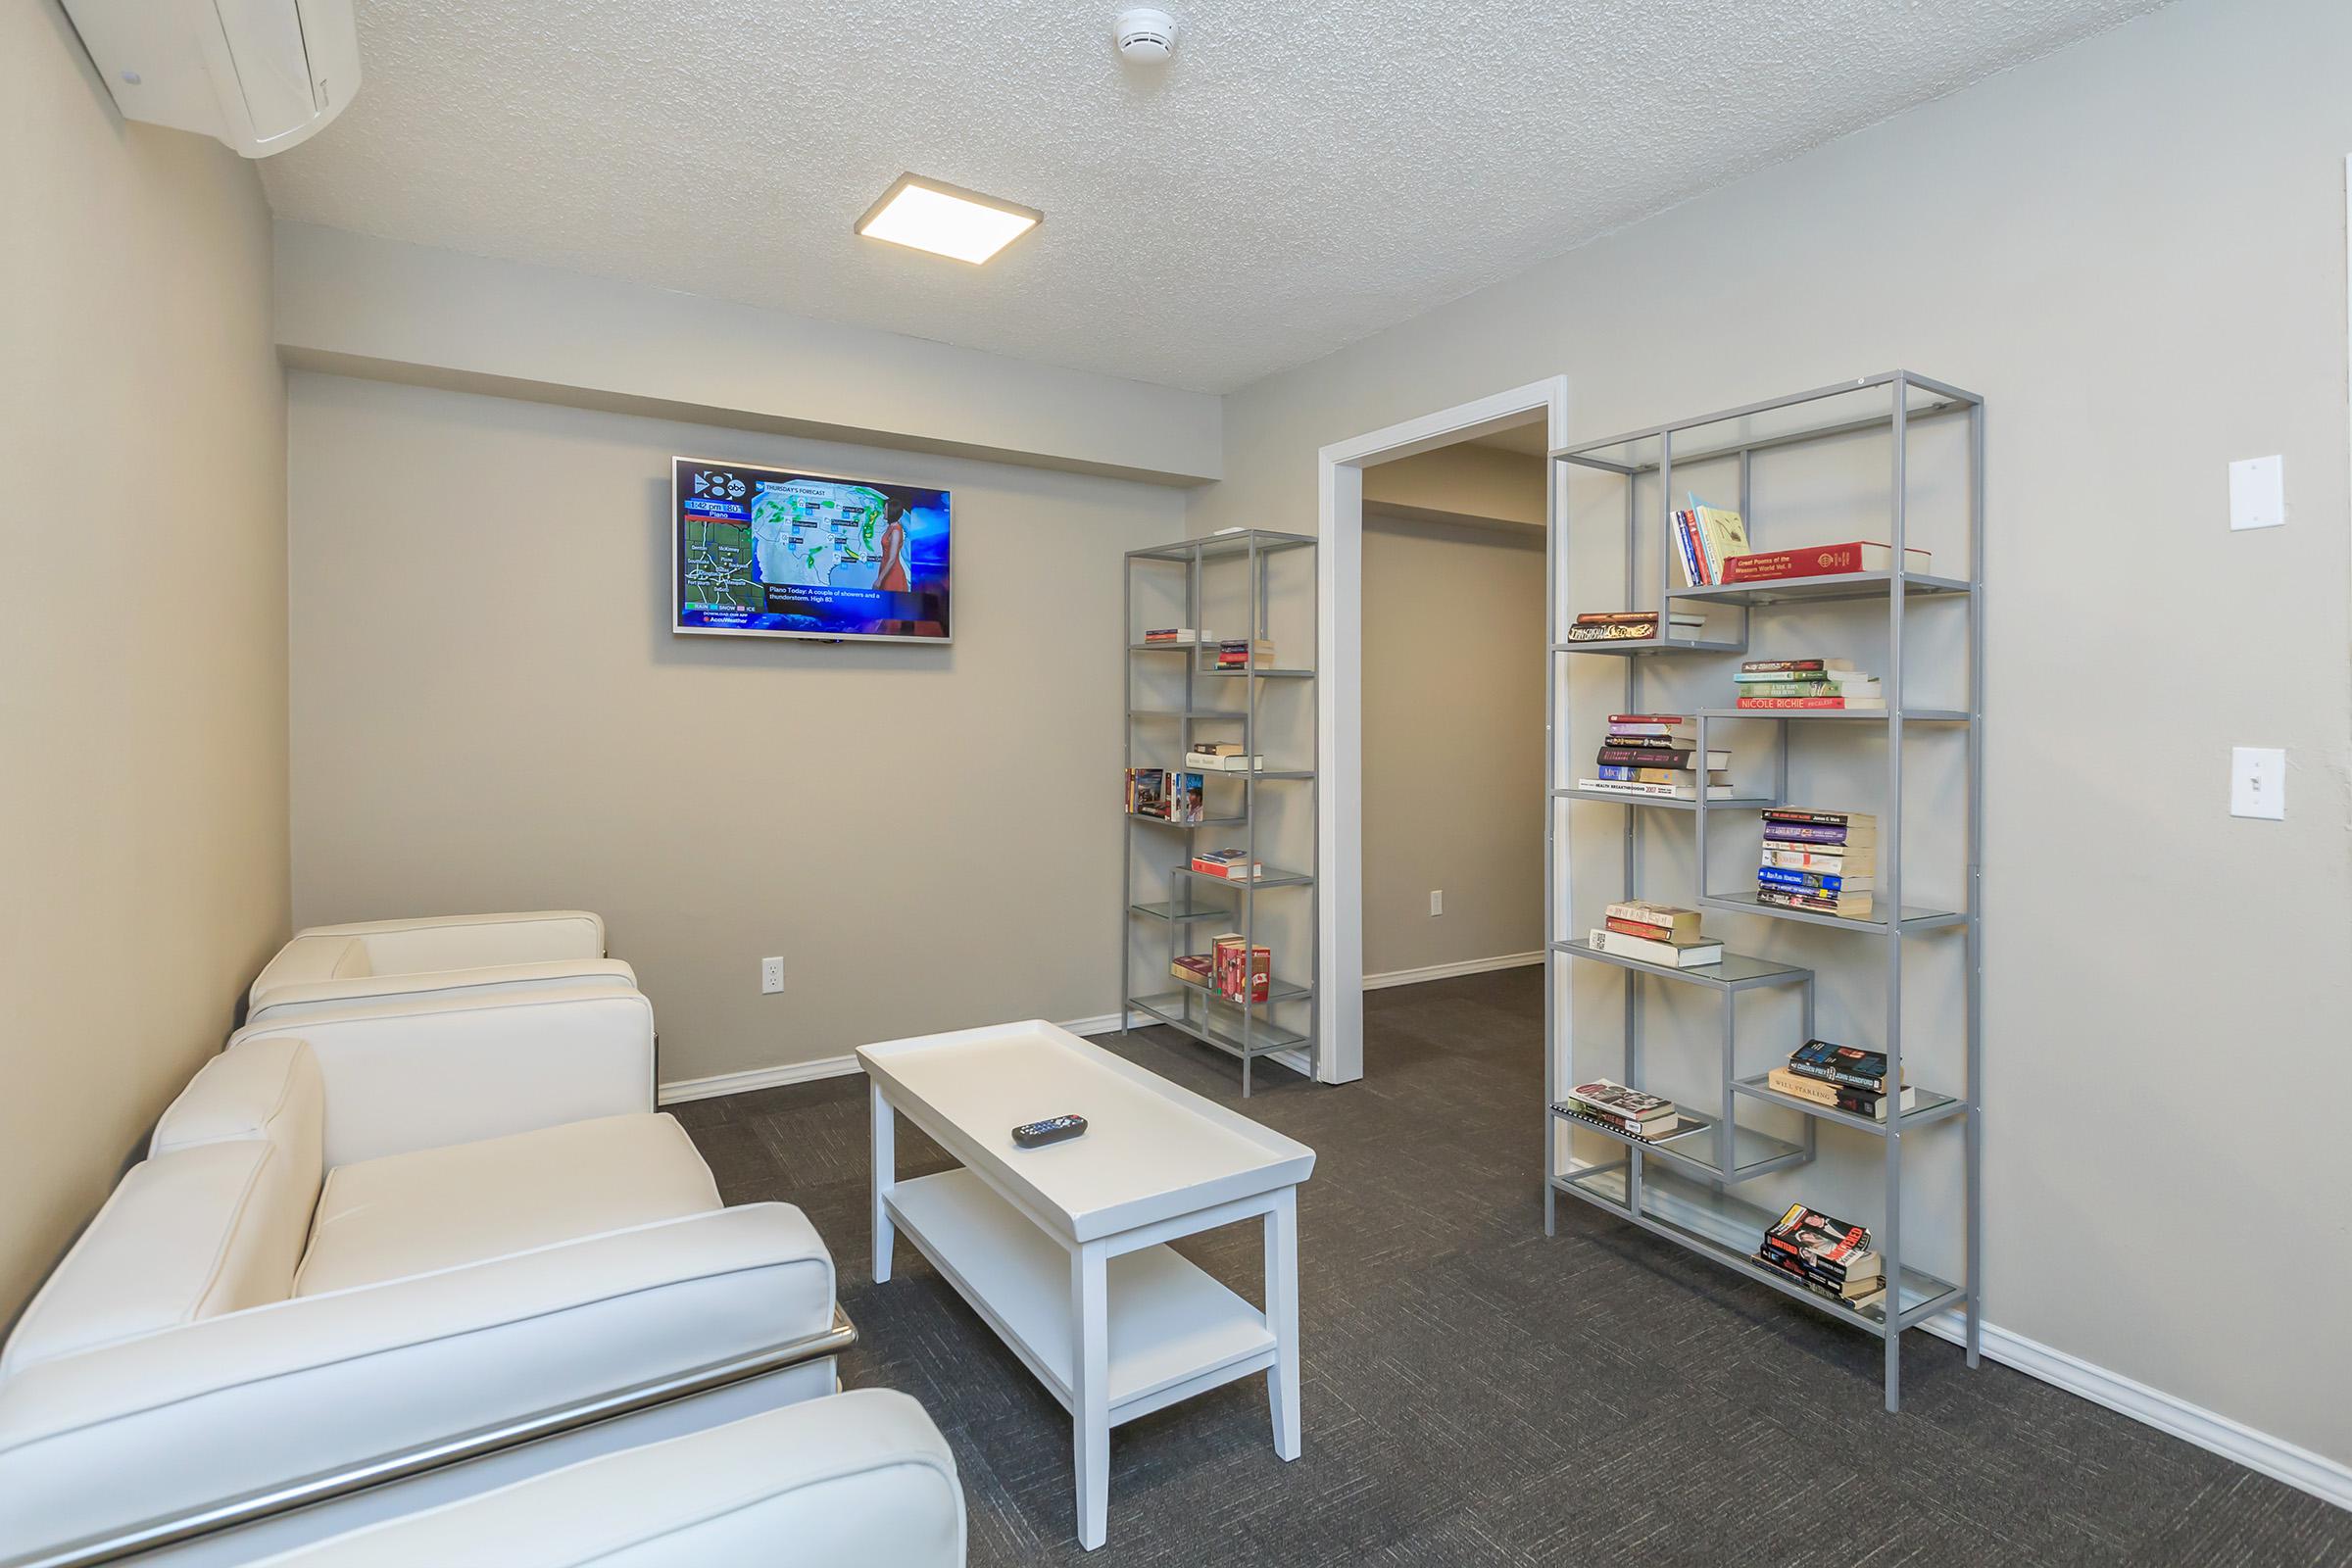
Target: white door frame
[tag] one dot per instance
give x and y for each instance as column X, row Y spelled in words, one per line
column 1339, row 688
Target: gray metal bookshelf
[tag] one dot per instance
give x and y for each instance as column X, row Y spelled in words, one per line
column 1683, row 1188
column 1243, row 1029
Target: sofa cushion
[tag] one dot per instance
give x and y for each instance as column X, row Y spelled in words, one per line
column 437, row 1209
column 189, row 1234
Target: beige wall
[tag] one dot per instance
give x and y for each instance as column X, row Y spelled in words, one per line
column 2135, row 250
column 142, row 626
column 1453, row 740
column 1463, row 482
column 363, row 305
column 489, row 711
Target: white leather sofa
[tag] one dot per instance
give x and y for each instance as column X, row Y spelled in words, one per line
column 465, row 954
column 860, row 1479
column 367, row 1261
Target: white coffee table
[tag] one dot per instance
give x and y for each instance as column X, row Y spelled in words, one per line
column 1063, row 1249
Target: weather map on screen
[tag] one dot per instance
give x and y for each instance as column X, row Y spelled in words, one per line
column 772, row 552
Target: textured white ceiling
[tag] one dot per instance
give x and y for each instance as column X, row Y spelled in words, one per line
column 1302, row 176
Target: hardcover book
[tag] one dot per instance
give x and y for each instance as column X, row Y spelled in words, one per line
column 1762, row 666
column 1840, row 1064
column 1821, row 561
column 1660, row 757
column 1665, row 954
column 1681, row 924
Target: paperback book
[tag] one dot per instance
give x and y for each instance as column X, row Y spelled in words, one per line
column 1612, row 1104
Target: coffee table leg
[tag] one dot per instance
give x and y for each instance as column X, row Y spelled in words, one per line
column 1090, row 1405
column 886, row 1176
column 1282, row 1316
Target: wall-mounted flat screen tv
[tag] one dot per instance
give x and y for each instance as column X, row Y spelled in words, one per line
column 777, row 553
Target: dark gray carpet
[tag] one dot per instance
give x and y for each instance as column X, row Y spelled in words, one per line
column 1475, row 1393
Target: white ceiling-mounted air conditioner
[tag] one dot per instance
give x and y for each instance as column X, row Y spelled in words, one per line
column 260, row 75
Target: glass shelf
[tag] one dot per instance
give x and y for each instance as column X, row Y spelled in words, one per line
column 1840, row 408
column 1925, row 1108
column 1206, row 821
column 1271, row 876
column 1696, row 1143
column 1180, row 915
column 1727, row 1229
column 1818, row 590
column 1915, row 918
column 1174, row 1009
column 1737, row 972
column 1666, row 802
column 1650, row 645
column 1209, row 547
column 1911, row 716
column 1277, row 991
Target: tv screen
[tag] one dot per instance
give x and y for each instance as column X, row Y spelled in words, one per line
column 776, row 552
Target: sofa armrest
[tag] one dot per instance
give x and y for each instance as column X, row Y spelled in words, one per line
column 856, row 1478
column 226, row 1406
column 276, row 1003
column 402, row 1074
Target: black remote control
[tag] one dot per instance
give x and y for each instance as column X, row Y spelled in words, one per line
column 1038, row 1134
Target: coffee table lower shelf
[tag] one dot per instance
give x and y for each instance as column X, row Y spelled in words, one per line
column 1174, row 1331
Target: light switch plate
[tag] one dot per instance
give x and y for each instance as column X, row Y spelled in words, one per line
column 2257, row 493
column 1436, row 900
column 2258, row 782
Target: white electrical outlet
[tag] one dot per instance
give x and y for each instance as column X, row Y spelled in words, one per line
column 1436, row 900
column 2258, row 782
column 2258, row 493
column 771, row 976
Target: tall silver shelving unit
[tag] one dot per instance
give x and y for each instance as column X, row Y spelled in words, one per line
column 1246, row 1030
column 1682, row 1187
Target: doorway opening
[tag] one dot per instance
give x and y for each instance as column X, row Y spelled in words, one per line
column 1527, row 422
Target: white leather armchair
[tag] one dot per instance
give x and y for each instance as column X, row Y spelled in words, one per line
column 474, row 956
column 861, row 1480
column 387, row 1251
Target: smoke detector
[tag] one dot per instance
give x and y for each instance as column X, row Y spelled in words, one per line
column 1145, row 38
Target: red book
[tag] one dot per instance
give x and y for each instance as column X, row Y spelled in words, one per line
column 1636, row 928
column 1878, row 707
column 1820, row 561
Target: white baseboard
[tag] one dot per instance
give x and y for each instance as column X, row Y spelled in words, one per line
column 2324, row 1478
column 801, row 1072
column 1448, row 971
column 740, row 1083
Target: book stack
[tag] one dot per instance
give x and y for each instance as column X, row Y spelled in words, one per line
column 1176, row 636
column 1242, row 652
column 1822, row 560
column 1806, row 684
column 1222, row 756
column 1826, row 1255
column 1193, row 969
column 1631, row 626
column 1818, row 861
column 1236, row 964
column 1843, row 1078
column 1166, row 796
column 1234, row 865
column 1654, row 933
column 1656, row 756
column 1704, row 539
column 1605, row 1102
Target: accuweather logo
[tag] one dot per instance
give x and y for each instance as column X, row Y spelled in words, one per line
column 717, row 484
